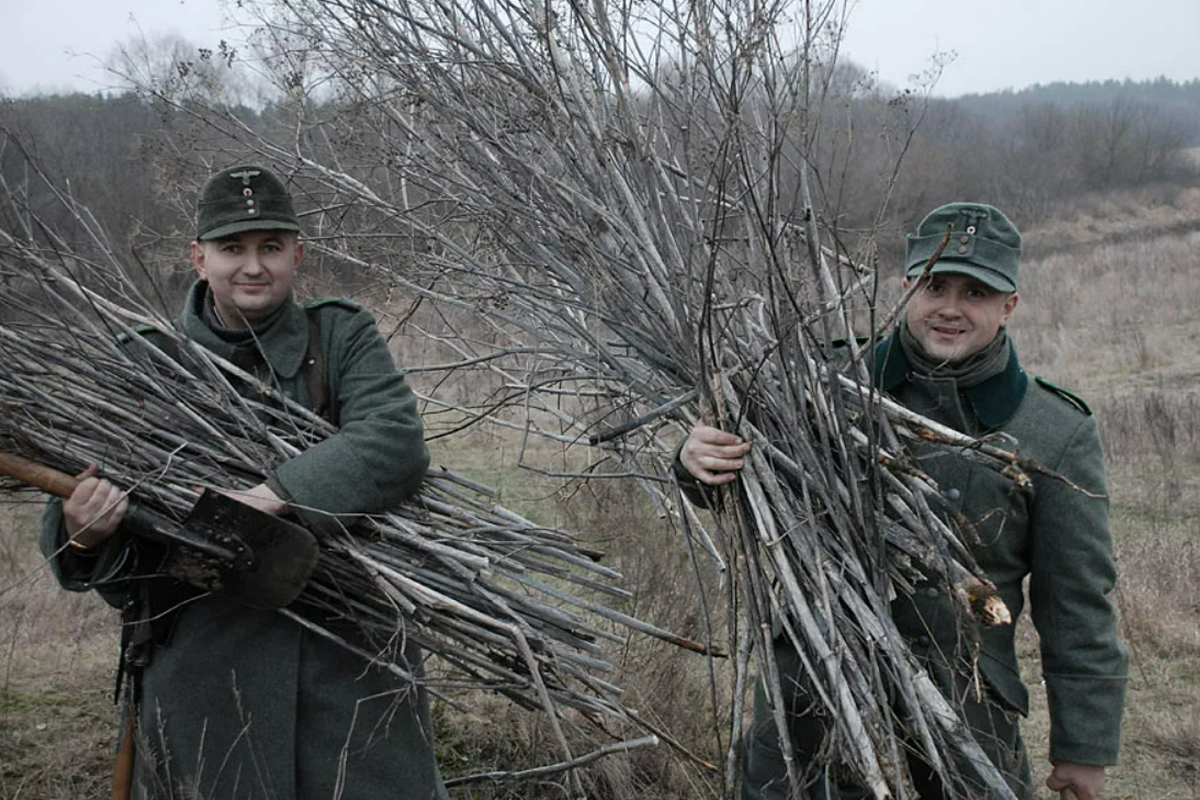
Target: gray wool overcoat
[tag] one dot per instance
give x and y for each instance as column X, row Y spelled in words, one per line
column 242, row 703
column 1053, row 531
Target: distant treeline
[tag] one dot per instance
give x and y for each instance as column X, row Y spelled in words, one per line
column 1030, row 153
column 115, row 158
column 135, row 162
column 1178, row 103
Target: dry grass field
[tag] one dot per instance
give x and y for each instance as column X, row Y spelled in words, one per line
column 1109, row 309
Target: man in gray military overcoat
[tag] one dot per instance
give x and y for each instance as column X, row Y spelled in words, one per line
column 951, row 360
column 230, row 701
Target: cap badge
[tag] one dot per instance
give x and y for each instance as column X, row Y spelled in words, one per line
column 246, row 175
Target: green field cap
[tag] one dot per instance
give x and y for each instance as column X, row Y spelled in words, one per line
column 244, row 198
column 983, row 245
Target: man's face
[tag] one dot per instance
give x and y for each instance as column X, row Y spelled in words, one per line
column 954, row 316
column 250, row 274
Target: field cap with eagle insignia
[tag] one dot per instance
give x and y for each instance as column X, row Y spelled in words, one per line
column 983, row 245
column 244, row 198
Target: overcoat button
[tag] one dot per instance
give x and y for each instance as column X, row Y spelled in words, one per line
column 953, row 493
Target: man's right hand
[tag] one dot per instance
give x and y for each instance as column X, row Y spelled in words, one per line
column 94, row 510
column 1076, row 781
column 713, row 456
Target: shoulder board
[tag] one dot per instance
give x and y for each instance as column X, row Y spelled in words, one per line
column 342, row 302
column 1074, row 400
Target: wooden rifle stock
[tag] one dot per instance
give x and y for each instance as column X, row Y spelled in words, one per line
column 122, row 781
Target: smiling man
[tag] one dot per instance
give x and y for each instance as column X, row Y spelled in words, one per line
column 951, row 360
column 232, row 701
column 249, row 274
column 951, row 315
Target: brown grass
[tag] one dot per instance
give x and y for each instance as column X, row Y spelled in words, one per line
column 672, row 689
column 57, row 719
column 1154, row 210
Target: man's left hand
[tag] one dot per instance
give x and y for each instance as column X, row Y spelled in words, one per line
column 1085, row 781
column 262, row 497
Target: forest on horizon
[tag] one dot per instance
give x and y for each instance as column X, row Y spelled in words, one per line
column 1030, row 152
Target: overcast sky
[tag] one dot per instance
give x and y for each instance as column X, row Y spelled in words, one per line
column 54, row 45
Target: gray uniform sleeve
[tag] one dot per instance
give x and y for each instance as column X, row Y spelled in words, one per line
column 378, row 456
column 103, row 568
column 1073, row 572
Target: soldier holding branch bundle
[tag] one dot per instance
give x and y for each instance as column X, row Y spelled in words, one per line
column 950, row 359
column 232, row 701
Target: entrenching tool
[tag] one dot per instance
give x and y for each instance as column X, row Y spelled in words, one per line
column 247, row 555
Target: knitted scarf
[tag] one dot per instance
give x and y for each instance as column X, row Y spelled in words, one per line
column 971, row 371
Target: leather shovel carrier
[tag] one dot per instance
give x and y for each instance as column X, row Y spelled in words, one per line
column 249, row 556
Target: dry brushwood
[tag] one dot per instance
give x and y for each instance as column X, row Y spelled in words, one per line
column 631, row 216
column 618, row 199
column 510, row 605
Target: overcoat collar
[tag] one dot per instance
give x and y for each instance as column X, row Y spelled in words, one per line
column 283, row 342
column 994, row 400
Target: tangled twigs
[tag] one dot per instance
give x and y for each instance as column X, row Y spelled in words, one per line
column 626, row 230
column 512, row 605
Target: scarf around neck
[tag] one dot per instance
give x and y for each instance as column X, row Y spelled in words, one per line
column 973, row 370
column 238, row 336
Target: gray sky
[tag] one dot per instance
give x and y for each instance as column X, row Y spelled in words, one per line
column 1016, row 43
column 57, row 45
column 48, row 45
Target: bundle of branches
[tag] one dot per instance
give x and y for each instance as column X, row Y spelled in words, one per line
column 623, row 191
column 502, row 600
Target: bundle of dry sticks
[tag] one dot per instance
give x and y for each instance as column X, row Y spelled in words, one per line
column 508, row 603
column 633, row 214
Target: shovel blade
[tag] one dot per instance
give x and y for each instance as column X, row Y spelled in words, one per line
column 279, row 555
